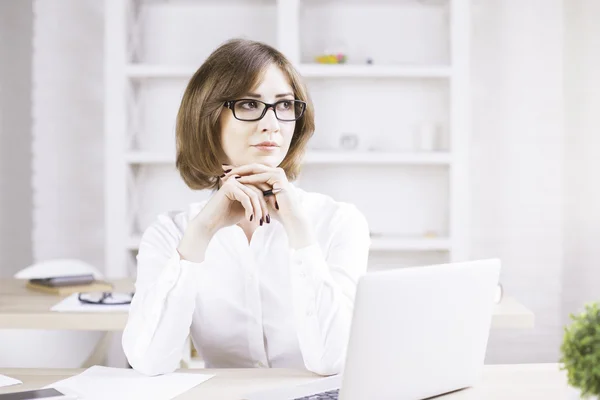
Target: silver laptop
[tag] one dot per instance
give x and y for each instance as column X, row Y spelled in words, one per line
column 416, row 333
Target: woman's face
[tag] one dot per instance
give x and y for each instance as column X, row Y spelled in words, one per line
column 241, row 139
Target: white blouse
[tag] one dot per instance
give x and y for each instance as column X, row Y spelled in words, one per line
column 257, row 304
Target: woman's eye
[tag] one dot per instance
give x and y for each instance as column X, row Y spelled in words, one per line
column 249, row 105
column 285, row 105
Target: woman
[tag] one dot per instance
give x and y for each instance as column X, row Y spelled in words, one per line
column 256, row 280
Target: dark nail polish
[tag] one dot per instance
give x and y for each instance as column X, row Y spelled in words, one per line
column 228, row 170
column 261, row 222
column 268, row 219
column 251, row 217
column 276, row 205
column 222, row 176
column 238, row 177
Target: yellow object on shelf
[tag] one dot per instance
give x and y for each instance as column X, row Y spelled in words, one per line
column 331, row 58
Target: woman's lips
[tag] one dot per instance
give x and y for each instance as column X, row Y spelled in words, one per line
column 267, row 148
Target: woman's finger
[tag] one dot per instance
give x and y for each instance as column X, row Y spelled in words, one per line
column 254, row 198
column 263, row 203
column 266, row 177
column 270, row 199
column 275, row 178
column 266, row 181
column 235, row 193
column 248, row 169
column 261, row 176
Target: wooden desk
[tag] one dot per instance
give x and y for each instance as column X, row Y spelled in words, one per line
column 506, row 382
column 21, row 308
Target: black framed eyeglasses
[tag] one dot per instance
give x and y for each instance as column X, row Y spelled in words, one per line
column 254, row 110
column 105, row 298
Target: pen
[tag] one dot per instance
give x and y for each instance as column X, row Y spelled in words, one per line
column 271, row 192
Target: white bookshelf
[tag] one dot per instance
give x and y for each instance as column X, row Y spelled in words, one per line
column 420, row 74
column 141, row 71
column 128, row 68
column 410, row 244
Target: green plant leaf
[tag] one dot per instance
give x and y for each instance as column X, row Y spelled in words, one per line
column 580, row 350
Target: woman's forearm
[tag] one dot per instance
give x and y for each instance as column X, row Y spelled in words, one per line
column 194, row 242
column 161, row 314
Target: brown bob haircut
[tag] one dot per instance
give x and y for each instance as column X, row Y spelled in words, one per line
column 230, row 72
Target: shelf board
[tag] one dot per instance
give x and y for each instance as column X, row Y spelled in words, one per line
column 143, row 71
column 148, row 157
column 409, row 244
column 377, row 158
column 146, row 71
column 324, row 157
column 377, row 244
column 372, row 71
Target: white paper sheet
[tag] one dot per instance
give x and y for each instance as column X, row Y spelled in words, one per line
column 101, row 383
column 8, row 381
column 72, row 304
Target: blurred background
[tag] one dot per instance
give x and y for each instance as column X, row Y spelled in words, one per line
column 462, row 130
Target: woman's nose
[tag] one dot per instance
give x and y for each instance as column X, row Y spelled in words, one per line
column 269, row 122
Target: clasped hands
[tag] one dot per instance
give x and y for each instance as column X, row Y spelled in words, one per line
column 269, row 186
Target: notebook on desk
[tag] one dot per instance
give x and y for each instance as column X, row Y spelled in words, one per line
column 39, row 394
column 96, row 286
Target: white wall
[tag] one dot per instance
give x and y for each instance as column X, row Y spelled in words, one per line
column 68, row 140
column 15, row 136
column 518, row 163
column 581, row 275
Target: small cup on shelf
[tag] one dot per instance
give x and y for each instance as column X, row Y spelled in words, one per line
column 427, row 138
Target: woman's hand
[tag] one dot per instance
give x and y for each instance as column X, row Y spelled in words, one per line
column 285, row 205
column 232, row 203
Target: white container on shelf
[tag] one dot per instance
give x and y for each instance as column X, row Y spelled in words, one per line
column 353, row 141
column 427, row 137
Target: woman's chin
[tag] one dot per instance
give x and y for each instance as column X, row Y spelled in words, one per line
column 269, row 161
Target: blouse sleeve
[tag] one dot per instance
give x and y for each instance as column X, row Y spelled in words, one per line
column 161, row 312
column 324, row 287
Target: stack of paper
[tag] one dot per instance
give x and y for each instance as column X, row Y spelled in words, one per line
column 101, row 383
column 8, row 381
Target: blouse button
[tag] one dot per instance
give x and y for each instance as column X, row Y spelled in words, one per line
column 172, row 278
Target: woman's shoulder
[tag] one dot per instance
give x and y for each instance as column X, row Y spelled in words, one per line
column 327, row 209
